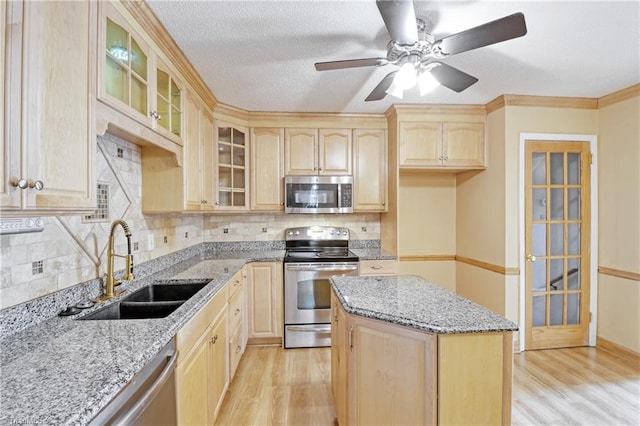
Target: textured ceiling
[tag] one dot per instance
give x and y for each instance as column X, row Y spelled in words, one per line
column 259, row 55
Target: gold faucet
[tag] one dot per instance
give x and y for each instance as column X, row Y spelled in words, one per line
column 111, row 282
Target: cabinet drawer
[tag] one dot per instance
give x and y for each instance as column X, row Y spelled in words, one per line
column 236, row 350
column 192, row 330
column 236, row 309
column 235, row 283
column 378, row 267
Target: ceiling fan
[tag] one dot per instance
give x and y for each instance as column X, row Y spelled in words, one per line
column 416, row 52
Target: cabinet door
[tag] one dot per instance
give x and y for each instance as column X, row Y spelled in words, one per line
column 335, row 152
column 339, row 352
column 370, row 170
column 167, row 111
column 192, row 389
column 392, row 375
column 264, row 283
column 58, row 131
column 193, row 156
column 9, row 122
column 463, row 144
column 124, row 66
column 232, row 172
column 267, row 169
column 301, row 151
column 207, row 148
column 420, row 144
column 217, row 367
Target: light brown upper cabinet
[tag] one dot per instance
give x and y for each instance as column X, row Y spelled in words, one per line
column 49, row 137
column 134, row 80
column 442, row 145
column 199, row 142
column 232, row 173
column 267, row 169
column 370, row 169
column 318, row 152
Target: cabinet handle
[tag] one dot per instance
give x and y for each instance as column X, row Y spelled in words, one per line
column 238, row 349
column 351, row 337
column 235, row 283
column 441, row 158
column 155, row 115
column 446, row 158
column 376, row 267
column 237, row 311
column 335, row 313
column 214, row 339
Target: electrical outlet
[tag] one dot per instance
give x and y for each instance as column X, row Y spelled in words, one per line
column 264, row 230
column 364, row 229
column 165, row 239
column 186, row 235
column 136, row 246
column 150, row 242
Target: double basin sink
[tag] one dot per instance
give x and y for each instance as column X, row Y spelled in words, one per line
column 156, row 300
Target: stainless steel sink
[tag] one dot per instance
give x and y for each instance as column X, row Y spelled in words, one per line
column 153, row 301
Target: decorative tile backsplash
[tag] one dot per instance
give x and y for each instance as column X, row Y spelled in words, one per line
column 72, row 249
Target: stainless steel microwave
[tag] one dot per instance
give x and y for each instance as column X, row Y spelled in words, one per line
column 318, row 194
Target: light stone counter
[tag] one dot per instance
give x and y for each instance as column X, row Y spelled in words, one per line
column 415, row 302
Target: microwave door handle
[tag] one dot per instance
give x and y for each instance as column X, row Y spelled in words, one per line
column 322, row 268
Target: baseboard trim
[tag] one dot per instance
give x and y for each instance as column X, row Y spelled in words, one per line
column 263, row 341
column 623, row 352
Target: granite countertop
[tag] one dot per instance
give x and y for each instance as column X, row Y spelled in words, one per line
column 373, row 254
column 64, row 371
column 415, row 302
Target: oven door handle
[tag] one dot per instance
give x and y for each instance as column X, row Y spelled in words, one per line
column 312, row 268
column 310, row 329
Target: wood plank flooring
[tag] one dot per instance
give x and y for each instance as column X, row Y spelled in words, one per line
column 575, row 386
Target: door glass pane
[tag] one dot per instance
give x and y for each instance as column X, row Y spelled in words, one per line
column 224, row 134
column 539, row 201
column 557, row 204
column 239, row 199
column 138, row 60
column 116, row 80
column 555, row 309
column 163, row 84
column 573, row 168
column 574, row 203
column 539, row 311
column 557, row 168
column 556, row 239
column 539, row 239
column 224, row 177
column 238, row 178
column 224, row 198
column 539, row 278
column 176, row 124
column 573, row 308
column 574, row 238
column 539, row 168
column 224, row 154
column 163, row 111
column 556, row 274
column 314, row 294
column 238, row 156
column 238, row 137
column 573, row 274
column 175, row 95
column 139, row 95
column 116, row 41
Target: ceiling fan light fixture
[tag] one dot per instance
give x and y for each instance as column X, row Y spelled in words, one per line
column 395, row 90
column 426, row 82
column 406, row 77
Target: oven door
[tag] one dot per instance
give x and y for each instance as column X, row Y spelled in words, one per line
column 307, row 301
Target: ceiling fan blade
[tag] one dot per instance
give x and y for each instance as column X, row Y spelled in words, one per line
column 502, row 29
column 350, row 63
column 381, row 89
column 452, row 78
column 399, row 17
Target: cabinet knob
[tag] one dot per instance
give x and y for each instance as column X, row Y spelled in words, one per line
column 315, row 168
column 384, row 203
column 217, row 203
column 530, row 258
column 441, row 158
column 446, row 158
column 38, row 185
column 237, row 311
column 21, row 183
column 238, row 349
column 214, row 339
column 155, row 115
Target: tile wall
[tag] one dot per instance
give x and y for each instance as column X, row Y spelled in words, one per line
column 72, row 249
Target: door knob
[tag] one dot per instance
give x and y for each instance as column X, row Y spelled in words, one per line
column 531, row 258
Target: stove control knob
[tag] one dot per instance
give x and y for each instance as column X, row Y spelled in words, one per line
column 290, row 233
column 297, row 232
column 331, row 232
column 344, row 232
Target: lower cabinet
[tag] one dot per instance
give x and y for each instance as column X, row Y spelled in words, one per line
column 264, row 288
column 379, row 267
column 237, row 321
column 201, row 374
column 388, row 374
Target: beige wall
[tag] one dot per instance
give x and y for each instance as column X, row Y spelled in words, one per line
column 442, row 273
column 619, row 222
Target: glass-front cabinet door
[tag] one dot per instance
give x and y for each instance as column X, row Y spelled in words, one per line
column 232, row 168
column 125, row 73
column 168, row 108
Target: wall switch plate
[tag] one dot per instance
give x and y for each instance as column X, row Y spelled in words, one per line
column 150, row 242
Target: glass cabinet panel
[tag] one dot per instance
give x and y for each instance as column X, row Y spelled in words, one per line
column 231, row 167
column 168, row 103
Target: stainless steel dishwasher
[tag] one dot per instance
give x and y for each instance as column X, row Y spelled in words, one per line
column 149, row 398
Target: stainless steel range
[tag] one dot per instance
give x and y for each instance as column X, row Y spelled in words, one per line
column 314, row 254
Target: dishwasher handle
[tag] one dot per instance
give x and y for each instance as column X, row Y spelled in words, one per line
column 149, row 395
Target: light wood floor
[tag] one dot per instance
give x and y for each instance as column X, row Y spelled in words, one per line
column 577, row 386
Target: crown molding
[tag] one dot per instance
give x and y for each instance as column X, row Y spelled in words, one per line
column 619, row 96
column 541, row 101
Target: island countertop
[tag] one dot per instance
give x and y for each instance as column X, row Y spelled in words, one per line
column 415, row 302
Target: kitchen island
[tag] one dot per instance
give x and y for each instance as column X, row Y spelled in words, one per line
column 406, row 351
